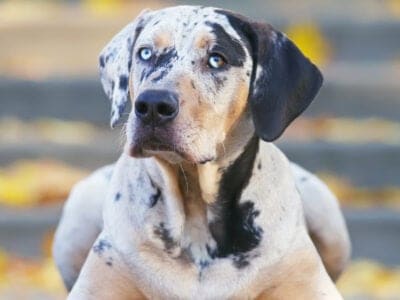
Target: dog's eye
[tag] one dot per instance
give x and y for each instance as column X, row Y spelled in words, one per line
column 145, row 53
column 216, row 61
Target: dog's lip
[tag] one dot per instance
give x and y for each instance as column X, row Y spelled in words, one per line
column 151, row 143
column 151, row 147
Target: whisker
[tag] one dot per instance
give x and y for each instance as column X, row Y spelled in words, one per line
column 185, row 178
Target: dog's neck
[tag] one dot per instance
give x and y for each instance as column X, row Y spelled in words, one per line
column 202, row 181
column 210, row 192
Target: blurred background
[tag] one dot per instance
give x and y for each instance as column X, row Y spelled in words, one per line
column 54, row 124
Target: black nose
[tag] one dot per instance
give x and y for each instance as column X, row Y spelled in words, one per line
column 156, row 107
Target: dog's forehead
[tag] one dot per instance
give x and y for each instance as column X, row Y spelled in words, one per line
column 179, row 25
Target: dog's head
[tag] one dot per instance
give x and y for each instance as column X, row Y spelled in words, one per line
column 194, row 73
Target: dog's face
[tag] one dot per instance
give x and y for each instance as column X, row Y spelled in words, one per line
column 192, row 73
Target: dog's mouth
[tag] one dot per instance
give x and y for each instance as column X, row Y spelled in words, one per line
column 162, row 143
column 155, row 145
column 151, row 143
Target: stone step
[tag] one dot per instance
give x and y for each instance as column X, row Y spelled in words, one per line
column 367, row 165
column 359, row 90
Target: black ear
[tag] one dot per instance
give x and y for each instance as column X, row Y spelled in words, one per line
column 284, row 82
column 115, row 62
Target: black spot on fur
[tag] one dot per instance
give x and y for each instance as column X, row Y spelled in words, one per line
column 205, row 160
column 212, row 252
column 112, row 86
column 218, row 80
column 101, row 61
column 241, row 261
column 110, row 55
column 259, row 165
column 204, row 264
column 164, row 234
column 109, row 261
column 234, row 228
column 227, row 45
column 143, row 75
column 160, row 76
column 101, row 246
column 130, row 63
column 154, row 198
column 303, row 179
column 165, row 59
column 123, row 82
column 162, row 63
column 193, row 85
column 117, row 196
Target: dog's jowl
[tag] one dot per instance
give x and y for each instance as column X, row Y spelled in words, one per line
column 201, row 204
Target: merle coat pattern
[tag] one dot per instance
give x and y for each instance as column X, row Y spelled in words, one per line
column 201, row 204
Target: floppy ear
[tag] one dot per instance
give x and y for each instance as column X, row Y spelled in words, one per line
column 283, row 81
column 115, row 62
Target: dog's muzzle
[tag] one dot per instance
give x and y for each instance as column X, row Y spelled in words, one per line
column 156, row 107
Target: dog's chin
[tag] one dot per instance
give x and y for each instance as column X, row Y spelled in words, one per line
column 165, row 151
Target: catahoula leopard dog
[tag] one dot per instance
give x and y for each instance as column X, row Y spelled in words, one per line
column 201, row 204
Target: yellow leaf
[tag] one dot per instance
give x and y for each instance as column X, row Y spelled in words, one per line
column 311, row 41
column 103, row 7
column 27, row 183
column 394, row 7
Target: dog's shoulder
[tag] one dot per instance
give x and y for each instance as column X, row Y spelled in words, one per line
column 272, row 168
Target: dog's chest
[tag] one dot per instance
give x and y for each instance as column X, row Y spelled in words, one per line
column 197, row 241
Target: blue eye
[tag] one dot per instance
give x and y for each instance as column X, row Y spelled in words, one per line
column 216, row 61
column 145, row 53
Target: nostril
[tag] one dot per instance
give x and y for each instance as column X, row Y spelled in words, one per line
column 141, row 107
column 165, row 109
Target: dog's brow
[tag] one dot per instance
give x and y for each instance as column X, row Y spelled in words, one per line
column 162, row 39
column 230, row 46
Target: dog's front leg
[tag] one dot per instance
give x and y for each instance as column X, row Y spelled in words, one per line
column 80, row 224
column 104, row 275
column 301, row 275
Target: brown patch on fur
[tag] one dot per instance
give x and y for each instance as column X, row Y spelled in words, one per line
column 209, row 178
column 203, row 39
column 237, row 107
column 162, row 40
column 191, row 109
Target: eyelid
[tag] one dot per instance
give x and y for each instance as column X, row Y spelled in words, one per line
column 218, row 52
column 145, row 46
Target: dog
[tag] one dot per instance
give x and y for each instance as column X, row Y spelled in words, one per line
column 201, row 204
